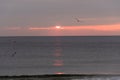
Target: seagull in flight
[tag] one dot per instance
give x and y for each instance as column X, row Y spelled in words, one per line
column 13, row 54
column 78, row 20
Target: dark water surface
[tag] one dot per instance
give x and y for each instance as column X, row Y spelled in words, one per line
column 58, row 55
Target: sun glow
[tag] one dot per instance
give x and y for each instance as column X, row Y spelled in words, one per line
column 57, row 27
column 59, row 73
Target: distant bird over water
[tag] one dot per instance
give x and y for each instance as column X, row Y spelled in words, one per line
column 14, row 48
column 13, row 54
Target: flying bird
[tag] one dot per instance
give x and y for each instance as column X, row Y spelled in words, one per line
column 13, row 54
column 78, row 20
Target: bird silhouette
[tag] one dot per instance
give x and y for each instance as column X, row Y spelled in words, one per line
column 78, row 20
column 14, row 54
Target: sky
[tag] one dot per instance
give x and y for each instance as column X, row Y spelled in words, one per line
column 41, row 17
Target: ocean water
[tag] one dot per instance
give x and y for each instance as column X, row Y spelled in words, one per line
column 59, row 55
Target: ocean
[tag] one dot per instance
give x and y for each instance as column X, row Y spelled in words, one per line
column 38, row 55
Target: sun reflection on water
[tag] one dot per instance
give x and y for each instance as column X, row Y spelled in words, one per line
column 58, row 62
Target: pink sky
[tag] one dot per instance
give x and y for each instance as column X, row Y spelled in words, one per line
column 64, row 30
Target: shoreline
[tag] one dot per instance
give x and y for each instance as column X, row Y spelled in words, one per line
column 60, row 75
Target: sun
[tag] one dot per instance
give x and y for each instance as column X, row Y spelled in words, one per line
column 57, row 27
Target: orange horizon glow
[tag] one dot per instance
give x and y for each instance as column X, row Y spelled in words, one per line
column 115, row 27
column 95, row 27
column 84, row 30
column 37, row 28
